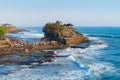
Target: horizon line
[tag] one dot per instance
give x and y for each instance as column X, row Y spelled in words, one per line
column 75, row 26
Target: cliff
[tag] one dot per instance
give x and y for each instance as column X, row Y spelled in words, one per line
column 9, row 27
column 63, row 33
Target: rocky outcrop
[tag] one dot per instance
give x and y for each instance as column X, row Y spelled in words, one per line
column 9, row 27
column 18, row 30
column 4, row 41
column 34, row 57
column 63, row 33
column 12, row 29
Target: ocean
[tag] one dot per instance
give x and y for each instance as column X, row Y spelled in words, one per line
column 97, row 62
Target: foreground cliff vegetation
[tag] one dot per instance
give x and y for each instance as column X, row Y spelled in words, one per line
column 3, row 30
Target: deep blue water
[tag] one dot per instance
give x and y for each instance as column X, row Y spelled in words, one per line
column 111, row 54
column 97, row 62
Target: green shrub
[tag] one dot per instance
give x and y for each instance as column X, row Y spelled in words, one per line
column 3, row 30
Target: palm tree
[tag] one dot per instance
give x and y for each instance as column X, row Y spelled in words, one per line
column 69, row 25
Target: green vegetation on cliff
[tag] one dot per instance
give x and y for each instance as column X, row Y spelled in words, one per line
column 56, row 25
column 55, row 30
column 4, row 28
column 63, row 33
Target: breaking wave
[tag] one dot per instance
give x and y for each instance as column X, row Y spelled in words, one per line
column 78, row 64
column 86, row 59
column 104, row 35
column 26, row 35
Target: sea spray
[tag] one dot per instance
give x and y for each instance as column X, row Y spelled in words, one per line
column 24, row 35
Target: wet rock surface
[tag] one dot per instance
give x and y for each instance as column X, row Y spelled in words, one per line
column 86, row 44
column 26, row 59
column 82, row 45
column 19, row 30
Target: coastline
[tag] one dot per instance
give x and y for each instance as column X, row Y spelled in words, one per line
column 56, row 36
column 27, row 50
column 71, row 58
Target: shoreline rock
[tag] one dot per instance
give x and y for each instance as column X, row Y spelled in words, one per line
column 34, row 57
column 57, row 36
column 18, row 30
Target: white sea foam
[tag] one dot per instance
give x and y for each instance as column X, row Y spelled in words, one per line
column 80, row 64
column 87, row 60
column 99, row 68
column 91, row 66
column 27, row 35
column 91, row 50
column 104, row 35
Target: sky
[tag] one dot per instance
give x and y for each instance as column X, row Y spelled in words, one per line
column 77, row 12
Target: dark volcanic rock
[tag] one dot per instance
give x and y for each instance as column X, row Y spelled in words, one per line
column 64, row 34
column 18, row 30
column 33, row 57
column 82, row 45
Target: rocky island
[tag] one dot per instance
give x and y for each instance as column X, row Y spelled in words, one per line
column 63, row 33
column 56, row 36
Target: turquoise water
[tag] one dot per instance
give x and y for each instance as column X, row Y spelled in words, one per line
column 97, row 62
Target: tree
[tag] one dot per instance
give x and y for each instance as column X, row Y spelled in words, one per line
column 68, row 25
column 58, row 24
